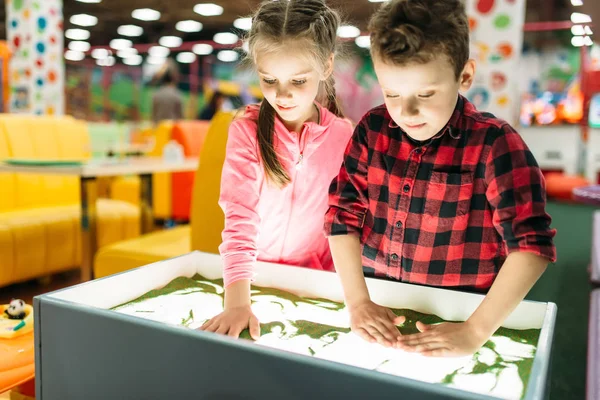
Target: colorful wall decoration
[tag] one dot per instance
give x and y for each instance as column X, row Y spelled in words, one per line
column 496, row 44
column 549, row 86
column 35, row 35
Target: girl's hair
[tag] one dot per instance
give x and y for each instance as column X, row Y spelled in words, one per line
column 276, row 25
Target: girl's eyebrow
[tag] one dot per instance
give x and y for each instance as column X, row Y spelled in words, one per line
column 299, row 73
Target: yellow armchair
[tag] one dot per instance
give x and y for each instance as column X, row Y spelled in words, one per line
column 39, row 214
column 204, row 232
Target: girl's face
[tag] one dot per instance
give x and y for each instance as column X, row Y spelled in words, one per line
column 290, row 83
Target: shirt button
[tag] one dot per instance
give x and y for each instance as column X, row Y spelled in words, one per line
column 406, row 188
column 394, row 257
column 399, row 224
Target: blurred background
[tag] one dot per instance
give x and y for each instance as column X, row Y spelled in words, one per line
column 87, row 83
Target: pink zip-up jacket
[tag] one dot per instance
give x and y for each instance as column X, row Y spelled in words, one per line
column 271, row 224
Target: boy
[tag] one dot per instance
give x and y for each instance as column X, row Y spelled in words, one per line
column 433, row 191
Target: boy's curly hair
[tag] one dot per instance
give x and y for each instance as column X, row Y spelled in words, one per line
column 415, row 31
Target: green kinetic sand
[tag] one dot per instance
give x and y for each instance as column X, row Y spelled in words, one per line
column 320, row 328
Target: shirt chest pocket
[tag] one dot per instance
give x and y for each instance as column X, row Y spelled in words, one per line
column 448, row 199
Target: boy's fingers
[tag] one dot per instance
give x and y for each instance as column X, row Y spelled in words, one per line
column 386, row 329
column 365, row 335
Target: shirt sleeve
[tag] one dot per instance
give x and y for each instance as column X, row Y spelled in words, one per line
column 241, row 181
column 348, row 198
column 516, row 191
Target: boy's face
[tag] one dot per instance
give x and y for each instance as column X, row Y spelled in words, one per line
column 421, row 97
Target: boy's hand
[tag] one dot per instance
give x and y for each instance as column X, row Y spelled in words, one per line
column 447, row 339
column 375, row 323
column 233, row 321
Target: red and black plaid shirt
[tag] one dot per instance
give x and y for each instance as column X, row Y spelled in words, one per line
column 445, row 212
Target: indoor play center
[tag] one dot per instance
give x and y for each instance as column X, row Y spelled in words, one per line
column 117, row 135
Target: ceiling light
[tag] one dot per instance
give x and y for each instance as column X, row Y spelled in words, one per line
column 77, row 34
column 128, row 52
column 208, row 9
column 587, row 41
column 130, row 30
column 170, row 41
column 100, row 53
column 158, row 52
column 579, row 18
column 577, row 3
column 120, row 44
column 228, row 56
column 348, row 31
column 588, row 30
column 577, row 41
column 363, row 42
column 226, row 38
column 83, row 20
column 72, row 55
column 106, row 62
column 146, row 14
column 79, row 46
column 577, row 30
column 246, row 46
column 156, row 60
column 202, row 49
column 243, row 23
column 186, row 57
column 133, row 60
column 188, row 26
column 89, row 1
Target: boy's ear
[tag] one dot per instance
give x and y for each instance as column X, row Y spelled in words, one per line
column 329, row 67
column 467, row 75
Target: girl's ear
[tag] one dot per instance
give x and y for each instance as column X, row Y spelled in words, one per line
column 329, row 67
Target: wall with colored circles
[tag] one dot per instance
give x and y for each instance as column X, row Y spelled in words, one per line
column 496, row 45
column 35, row 34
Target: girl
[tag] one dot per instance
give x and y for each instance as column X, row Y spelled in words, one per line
column 281, row 155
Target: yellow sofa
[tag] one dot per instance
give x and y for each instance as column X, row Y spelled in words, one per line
column 39, row 214
column 206, row 223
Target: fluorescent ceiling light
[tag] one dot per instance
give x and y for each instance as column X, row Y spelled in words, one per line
column 77, row 34
column 226, row 38
column 83, row 20
column 579, row 18
column 189, row 26
column 208, row 9
column 348, row 31
column 79, row 46
column 186, row 57
column 128, row 52
column 363, row 42
column 133, row 60
column 202, row 49
column 158, row 52
column 130, row 30
column 100, row 53
column 243, row 23
column 106, row 62
column 170, row 41
column 146, row 14
column 228, row 56
column 72, row 55
column 120, row 44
